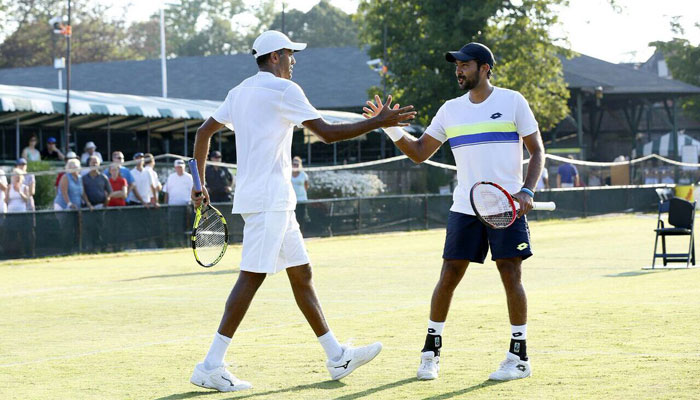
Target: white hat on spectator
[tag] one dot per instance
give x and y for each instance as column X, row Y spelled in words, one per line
column 90, row 145
column 179, row 162
column 71, row 154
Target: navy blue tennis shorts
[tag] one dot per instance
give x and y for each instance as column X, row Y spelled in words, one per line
column 469, row 239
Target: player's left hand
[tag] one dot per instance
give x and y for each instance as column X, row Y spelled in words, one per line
column 525, row 202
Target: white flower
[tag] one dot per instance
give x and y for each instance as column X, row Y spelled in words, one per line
column 325, row 184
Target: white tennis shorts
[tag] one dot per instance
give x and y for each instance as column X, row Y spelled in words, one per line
column 272, row 242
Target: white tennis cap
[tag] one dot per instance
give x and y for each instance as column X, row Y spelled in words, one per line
column 270, row 41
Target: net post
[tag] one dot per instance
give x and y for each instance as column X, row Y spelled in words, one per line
column 425, row 210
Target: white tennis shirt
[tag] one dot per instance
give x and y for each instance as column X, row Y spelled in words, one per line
column 486, row 140
column 262, row 111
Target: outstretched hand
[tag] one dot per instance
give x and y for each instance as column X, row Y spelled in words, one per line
column 386, row 114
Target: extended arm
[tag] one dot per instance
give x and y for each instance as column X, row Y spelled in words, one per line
column 418, row 150
column 386, row 117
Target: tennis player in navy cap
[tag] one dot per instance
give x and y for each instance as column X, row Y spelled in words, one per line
column 486, row 128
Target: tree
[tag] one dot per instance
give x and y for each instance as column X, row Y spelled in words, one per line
column 322, row 26
column 95, row 38
column 683, row 60
column 419, row 32
column 527, row 61
column 202, row 27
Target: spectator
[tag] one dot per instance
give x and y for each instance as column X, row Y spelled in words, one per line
column 178, row 187
column 17, row 193
column 30, row 181
column 134, row 198
column 218, row 180
column 90, row 150
column 70, row 188
column 149, row 163
column 300, row 182
column 51, row 152
column 3, row 191
column 118, row 158
column 144, row 183
column 543, row 182
column 69, row 156
column 117, row 198
column 30, row 152
column 96, row 185
column 567, row 175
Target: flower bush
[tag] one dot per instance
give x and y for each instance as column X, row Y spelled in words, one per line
column 329, row 184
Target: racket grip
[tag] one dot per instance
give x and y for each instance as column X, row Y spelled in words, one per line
column 195, row 175
column 544, row 206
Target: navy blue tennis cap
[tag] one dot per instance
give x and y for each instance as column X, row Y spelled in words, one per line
column 471, row 51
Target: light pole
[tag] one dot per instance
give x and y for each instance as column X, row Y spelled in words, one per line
column 163, row 66
column 67, row 33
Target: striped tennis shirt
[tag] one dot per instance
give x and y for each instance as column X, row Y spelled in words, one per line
column 486, row 140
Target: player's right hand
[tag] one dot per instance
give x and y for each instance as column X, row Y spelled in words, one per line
column 200, row 198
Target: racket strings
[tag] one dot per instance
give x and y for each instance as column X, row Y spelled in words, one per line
column 493, row 205
column 210, row 238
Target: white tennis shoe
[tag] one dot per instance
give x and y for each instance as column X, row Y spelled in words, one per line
column 352, row 358
column 429, row 366
column 218, row 379
column 511, row 368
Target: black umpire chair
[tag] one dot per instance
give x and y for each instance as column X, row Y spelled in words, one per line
column 681, row 218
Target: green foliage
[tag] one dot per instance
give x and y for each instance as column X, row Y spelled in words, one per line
column 528, row 62
column 419, row 32
column 683, row 60
column 95, row 37
column 322, row 26
column 45, row 185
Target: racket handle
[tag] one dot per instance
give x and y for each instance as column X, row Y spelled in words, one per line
column 544, row 206
column 195, row 175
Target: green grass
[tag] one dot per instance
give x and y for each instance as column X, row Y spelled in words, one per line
column 133, row 325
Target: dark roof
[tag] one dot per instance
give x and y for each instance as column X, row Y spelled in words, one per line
column 333, row 78
column 585, row 72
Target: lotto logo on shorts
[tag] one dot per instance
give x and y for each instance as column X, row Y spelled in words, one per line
column 522, row 246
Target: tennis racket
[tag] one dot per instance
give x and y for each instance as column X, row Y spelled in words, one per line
column 210, row 232
column 495, row 207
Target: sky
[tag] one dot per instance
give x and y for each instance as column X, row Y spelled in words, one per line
column 593, row 27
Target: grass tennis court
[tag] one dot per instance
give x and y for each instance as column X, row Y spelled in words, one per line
column 133, row 325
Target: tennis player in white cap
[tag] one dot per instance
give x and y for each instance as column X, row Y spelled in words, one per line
column 263, row 110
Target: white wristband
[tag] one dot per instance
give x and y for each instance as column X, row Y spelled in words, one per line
column 395, row 133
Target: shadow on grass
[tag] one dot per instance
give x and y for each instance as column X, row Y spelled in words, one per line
column 371, row 391
column 217, row 272
column 464, row 391
column 187, row 395
column 632, row 273
column 317, row 385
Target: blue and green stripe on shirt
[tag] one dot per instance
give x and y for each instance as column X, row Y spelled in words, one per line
column 481, row 133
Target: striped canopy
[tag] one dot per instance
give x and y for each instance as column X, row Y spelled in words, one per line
column 52, row 101
column 46, row 107
column 662, row 145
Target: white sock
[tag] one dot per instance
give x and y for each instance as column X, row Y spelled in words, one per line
column 217, row 351
column 330, row 345
column 518, row 332
column 435, row 328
